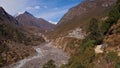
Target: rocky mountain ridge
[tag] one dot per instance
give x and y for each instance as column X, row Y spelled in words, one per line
column 85, row 8
column 15, row 44
column 28, row 21
column 4, row 16
column 80, row 15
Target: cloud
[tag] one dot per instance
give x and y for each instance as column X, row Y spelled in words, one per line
column 49, row 10
column 52, row 22
column 13, row 6
column 33, row 7
column 37, row 7
column 19, row 13
column 29, row 8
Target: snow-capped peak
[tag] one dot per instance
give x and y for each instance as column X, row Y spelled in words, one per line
column 19, row 13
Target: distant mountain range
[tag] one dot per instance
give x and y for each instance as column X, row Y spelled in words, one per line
column 27, row 20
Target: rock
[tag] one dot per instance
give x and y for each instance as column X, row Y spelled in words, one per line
column 118, row 53
column 99, row 49
column 77, row 33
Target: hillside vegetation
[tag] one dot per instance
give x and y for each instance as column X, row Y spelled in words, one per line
column 14, row 42
column 85, row 56
column 80, row 15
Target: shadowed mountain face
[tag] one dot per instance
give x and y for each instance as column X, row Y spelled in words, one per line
column 12, row 40
column 6, row 18
column 28, row 20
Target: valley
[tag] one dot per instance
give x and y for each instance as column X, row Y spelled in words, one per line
column 87, row 36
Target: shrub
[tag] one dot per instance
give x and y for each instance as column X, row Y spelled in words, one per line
column 76, row 64
column 112, row 57
column 113, row 17
column 117, row 65
column 94, row 32
column 118, row 2
column 3, row 46
column 49, row 64
column 90, row 43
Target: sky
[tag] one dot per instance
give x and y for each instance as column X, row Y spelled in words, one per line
column 50, row 10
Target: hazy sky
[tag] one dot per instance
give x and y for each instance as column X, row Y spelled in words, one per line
column 51, row 10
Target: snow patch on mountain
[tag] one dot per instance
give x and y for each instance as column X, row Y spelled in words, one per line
column 19, row 13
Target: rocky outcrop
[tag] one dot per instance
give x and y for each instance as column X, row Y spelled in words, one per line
column 68, row 44
column 77, row 33
column 69, row 41
column 98, row 49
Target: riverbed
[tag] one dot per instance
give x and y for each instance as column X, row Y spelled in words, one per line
column 44, row 53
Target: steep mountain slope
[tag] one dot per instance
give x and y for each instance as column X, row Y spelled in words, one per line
column 85, row 8
column 80, row 15
column 96, row 42
column 13, row 41
column 113, row 37
column 27, row 20
column 4, row 16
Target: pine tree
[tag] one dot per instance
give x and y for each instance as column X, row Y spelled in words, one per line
column 94, row 32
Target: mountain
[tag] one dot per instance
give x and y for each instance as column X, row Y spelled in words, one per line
column 90, row 33
column 74, row 25
column 4, row 16
column 27, row 20
column 80, row 15
column 87, row 7
column 14, row 43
